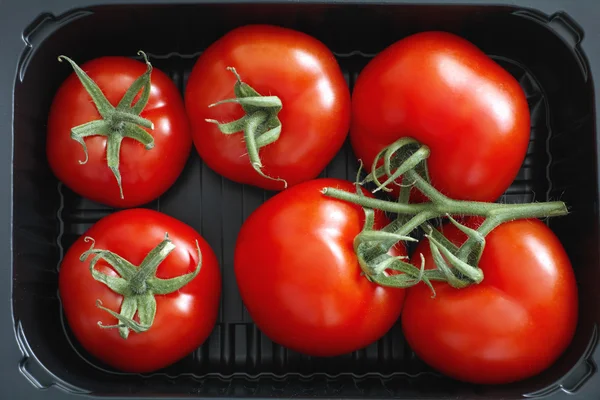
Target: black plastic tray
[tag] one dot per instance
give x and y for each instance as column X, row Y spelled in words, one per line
column 541, row 43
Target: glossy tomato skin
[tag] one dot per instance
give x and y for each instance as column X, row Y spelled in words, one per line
column 299, row 277
column 145, row 174
column 184, row 319
column 446, row 93
column 276, row 61
column 514, row 324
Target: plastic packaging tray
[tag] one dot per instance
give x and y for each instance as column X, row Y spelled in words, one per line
column 541, row 43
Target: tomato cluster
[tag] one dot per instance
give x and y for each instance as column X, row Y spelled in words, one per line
column 320, row 267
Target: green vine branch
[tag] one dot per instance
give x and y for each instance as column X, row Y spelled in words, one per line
column 458, row 266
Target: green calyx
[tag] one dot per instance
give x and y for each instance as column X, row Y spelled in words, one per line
column 458, row 266
column 118, row 122
column 260, row 125
column 137, row 285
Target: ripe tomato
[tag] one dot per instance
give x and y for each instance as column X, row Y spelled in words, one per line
column 511, row 326
column 299, row 276
column 301, row 72
column 145, row 173
column 184, row 317
column 444, row 92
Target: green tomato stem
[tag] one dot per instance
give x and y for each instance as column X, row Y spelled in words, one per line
column 138, row 285
column 502, row 212
column 406, row 158
column 261, row 125
column 117, row 122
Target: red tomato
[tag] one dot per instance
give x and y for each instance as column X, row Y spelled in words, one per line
column 145, row 174
column 511, row 326
column 291, row 65
column 184, row 318
column 444, row 92
column 300, row 279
